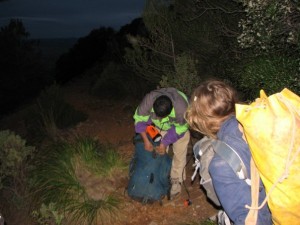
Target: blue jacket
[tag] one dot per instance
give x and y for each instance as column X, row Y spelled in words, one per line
column 234, row 193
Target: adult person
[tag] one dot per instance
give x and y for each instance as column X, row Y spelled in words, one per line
column 165, row 108
column 212, row 113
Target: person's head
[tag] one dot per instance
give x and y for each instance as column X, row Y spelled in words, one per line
column 162, row 106
column 212, row 102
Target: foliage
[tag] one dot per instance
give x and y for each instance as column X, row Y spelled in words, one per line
column 22, row 72
column 48, row 214
column 177, row 28
column 51, row 112
column 101, row 159
column 13, row 156
column 152, row 55
column 209, row 29
column 116, row 81
column 270, row 26
column 59, row 180
column 185, row 78
column 271, row 74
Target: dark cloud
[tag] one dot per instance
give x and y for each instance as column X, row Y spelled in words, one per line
column 69, row 18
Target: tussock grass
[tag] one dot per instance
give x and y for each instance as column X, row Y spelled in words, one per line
column 51, row 113
column 70, row 172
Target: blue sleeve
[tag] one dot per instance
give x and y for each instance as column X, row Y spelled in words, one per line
column 234, row 193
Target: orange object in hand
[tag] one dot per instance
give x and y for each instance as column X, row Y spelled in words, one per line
column 153, row 133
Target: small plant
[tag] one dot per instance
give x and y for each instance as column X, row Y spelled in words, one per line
column 13, row 156
column 48, row 215
column 102, row 160
column 77, row 177
column 51, row 113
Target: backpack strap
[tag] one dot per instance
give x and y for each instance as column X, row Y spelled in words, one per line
column 228, row 154
column 204, row 152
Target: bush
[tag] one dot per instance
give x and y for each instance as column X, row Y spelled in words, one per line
column 23, row 74
column 270, row 26
column 48, row 214
column 271, row 74
column 13, row 156
column 185, row 78
column 51, row 112
column 79, row 178
column 116, row 81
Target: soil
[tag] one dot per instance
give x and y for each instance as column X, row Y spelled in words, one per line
column 111, row 122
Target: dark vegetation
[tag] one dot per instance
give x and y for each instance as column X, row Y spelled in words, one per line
column 180, row 44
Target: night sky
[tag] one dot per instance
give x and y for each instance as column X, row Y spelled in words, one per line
column 69, row 18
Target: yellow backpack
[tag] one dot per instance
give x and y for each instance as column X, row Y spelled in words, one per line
column 272, row 129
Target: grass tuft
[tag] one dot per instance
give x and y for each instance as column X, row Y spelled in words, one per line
column 77, row 177
column 51, row 113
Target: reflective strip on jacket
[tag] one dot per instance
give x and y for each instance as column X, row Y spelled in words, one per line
column 174, row 123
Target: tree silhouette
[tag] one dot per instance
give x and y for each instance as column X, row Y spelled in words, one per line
column 98, row 46
column 22, row 75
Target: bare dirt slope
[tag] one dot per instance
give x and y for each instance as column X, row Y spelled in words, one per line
column 112, row 122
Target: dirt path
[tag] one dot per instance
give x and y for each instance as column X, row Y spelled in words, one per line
column 112, row 122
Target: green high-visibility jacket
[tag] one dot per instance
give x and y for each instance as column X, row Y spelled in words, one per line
column 174, row 123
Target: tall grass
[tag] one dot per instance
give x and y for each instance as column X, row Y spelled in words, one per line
column 103, row 160
column 57, row 180
column 51, row 112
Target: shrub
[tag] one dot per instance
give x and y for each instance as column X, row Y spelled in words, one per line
column 271, row 74
column 116, row 81
column 48, row 214
column 51, row 112
column 13, row 156
column 185, row 78
column 111, row 82
column 79, row 179
column 270, row 26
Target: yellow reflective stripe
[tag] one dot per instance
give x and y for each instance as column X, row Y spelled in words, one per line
column 172, row 114
column 139, row 118
column 180, row 129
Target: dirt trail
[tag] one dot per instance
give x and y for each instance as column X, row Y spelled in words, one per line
column 112, row 122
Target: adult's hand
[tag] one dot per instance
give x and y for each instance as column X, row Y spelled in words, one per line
column 147, row 144
column 161, row 149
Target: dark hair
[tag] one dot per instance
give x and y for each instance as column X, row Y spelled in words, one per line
column 162, row 106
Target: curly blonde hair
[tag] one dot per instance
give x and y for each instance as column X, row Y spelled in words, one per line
column 212, row 102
